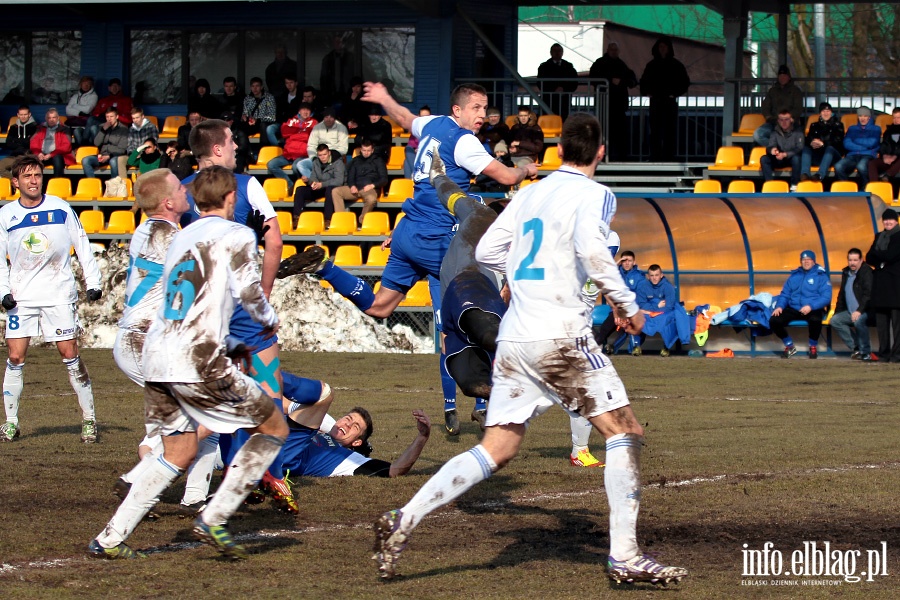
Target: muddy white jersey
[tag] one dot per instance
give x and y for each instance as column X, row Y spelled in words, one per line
column 144, row 288
column 210, row 267
column 37, row 241
column 548, row 243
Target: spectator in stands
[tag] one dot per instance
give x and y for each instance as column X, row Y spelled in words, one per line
column 806, row 296
column 412, row 145
column 296, row 132
column 79, row 107
column 145, row 157
column 526, row 138
column 178, row 160
column 338, row 68
column 117, row 100
column 563, row 80
column 785, row 149
column 851, row 308
column 886, row 165
column 184, row 132
column 277, row 70
column 884, row 257
column 378, row 131
column 287, row 104
column 657, row 299
column 312, row 98
column 366, row 177
column 493, row 133
column 18, row 140
column 202, row 101
column 141, row 130
column 52, row 144
column 327, row 173
column 111, row 141
column 259, row 110
column 353, row 110
column 241, row 143
column 861, row 143
column 783, row 96
column 232, row 99
column 664, row 80
column 824, row 144
column 330, row 132
column 613, row 69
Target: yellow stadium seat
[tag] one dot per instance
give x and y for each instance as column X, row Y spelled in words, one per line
column 276, row 189
column 80, row 154
column 266, row 153
column 400, row 190
column 377, row 257
column 551, row 161
column 741, row 186
column 708, row 186
column 153, row 120
column 884, row 120
column 6, row 190
column 288, row 250
column 285, row 220
column 510, row 120
column 753, row 162
column 849, row 120
column 12, row 121
column 348, row 256
column 342, row 223
column 59, row 186
column 844, row 187
column 129, row 185
column 810, row 187
column 749, row 123
column 810, row 120
column 89, row 188
column 882, row 189
column 396, row 130
column 171, row 125
column 310, row 223
column 776, row 186
column 551, row 125
column 728, row 158
column 418, row 295
column 398, row 218
column 398, row 155
column 91, row 220
column 375, row 223
column 120, row 221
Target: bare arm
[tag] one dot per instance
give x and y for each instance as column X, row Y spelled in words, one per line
column 405, row 461
column 502, row 174
column 377, row 93
column 272, row 257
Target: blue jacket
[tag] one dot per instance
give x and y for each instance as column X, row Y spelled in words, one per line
column 633, row 277
column 806, row 288
column 649, row 295
column 863, row 140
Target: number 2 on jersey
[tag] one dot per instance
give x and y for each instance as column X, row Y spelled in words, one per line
column 525, row 270
column 178, row 285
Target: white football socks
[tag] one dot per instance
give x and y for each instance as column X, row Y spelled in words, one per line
column 581, row 433
column 81, row 383
column 12, row 390
column 196, row 486
column 622, row 479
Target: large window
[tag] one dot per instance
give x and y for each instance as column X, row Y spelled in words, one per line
column 12, row 68
column 389, row 55
column 156, row 67
column 213, row 56
column 49, row 75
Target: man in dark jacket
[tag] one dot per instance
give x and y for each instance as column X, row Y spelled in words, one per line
column 805, row 296
column 884, row 257
column 783, row 96
column 664, row 79
column 620, row 78
column 852, row 305
column 526, row 138
column 18, row 139
column 889, row 151
column 824, row 144
column 378, row 131
column 558, row 94
column 112, row 142
column 785, row 149
column 366, row 177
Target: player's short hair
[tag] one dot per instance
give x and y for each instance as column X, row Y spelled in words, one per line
column 207, row 134
column 625, row 253
column 151, row 189
column 581, row 139
column 137, row 110
column 367, row 419
column 654, row 267
column 210, row 187
column 462, row 92
column 855, row 251
column 321, row 147
column 25, row 161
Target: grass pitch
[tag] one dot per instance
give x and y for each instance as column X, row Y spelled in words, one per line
column 737, row 452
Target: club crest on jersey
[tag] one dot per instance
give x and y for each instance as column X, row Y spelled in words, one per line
column 36, row 242
column 34, row 218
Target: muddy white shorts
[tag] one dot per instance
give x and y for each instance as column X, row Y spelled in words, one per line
column 127, row 352
column 55, row 323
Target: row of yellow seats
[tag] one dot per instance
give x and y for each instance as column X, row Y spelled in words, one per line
column 343, row 223
column 882, row 189
column 731, row 158
column 89, row 188
column 277, row 190
column 120, row 222
column 752, row 121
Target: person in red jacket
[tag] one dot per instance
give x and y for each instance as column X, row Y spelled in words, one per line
column 295, row 132
column 117, row 100
column 52, row 144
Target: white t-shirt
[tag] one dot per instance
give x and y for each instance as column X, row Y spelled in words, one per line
column 210, row 267
column 37, row 241
column 144, row 288
column 550, row 240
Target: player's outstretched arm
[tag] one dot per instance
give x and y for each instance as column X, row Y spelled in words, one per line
column 405, row 461
column 377, row 93
column 504, row 175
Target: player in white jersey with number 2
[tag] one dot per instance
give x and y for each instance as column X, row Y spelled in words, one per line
column 38, row 289
column 548, row 243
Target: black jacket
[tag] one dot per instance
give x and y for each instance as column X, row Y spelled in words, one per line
column 664, row 76
column 364, row 171
column 890, row 147
column 18, row 140
column 862, row 288
column 886, row 280
column 831, row 132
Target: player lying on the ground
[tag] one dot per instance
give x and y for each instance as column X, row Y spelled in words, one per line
column 550, row 241
column 472, row 305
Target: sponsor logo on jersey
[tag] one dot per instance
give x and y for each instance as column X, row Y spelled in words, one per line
column 36, row 242
column 65, row 331
column 14, row 219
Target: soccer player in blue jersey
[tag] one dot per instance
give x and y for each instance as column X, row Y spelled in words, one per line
column 421, row 239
